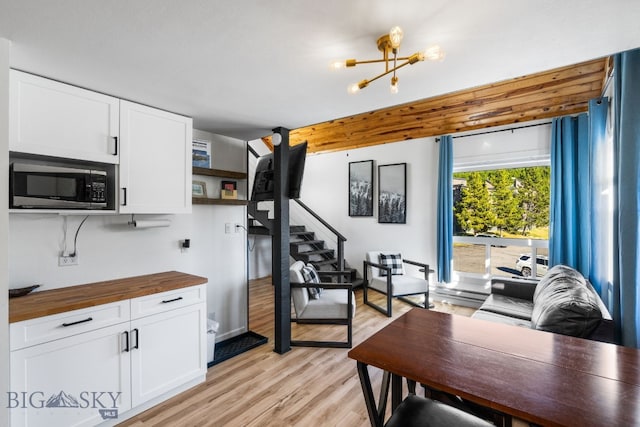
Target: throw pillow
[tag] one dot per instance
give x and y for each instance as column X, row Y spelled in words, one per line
column 391, row 260
column 565, row 304
column 310, row 275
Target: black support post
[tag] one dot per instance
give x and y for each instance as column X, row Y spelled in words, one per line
column 280, row 244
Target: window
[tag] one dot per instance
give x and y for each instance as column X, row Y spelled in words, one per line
column 504, row 215
column 501, row 217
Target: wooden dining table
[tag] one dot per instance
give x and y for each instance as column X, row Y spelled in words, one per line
column 540, row 377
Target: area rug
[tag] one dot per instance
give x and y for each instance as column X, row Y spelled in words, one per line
column 237, row 345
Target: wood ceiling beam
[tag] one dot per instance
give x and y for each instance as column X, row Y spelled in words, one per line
column 552, row 93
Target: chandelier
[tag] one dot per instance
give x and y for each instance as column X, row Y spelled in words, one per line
column 389, row 45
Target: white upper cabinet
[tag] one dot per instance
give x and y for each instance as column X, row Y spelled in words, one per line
column 55, row 119
column 155, row 160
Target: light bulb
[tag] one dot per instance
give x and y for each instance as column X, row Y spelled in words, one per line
column 434, row 53
column 395, row 36
column 394, row 85
column 337, row 65
column 355, row 88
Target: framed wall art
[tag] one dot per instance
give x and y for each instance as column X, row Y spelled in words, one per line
column 199, row 189
column 392, row 193
column 361, row 188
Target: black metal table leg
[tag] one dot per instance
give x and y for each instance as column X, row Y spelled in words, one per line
column 396, row 391
column 375, row 416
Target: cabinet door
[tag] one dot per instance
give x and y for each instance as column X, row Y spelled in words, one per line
column 67, row 382
column 155, row 160
column 168, row 350
column 56, row 119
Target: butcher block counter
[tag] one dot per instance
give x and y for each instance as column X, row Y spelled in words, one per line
column 140, row 339
column 54, row 301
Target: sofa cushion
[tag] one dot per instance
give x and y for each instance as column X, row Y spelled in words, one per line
column 401, row 285
column 556, row 273
column 501, row 318
column 334, row 304
column 564, row 304
column 509, row 306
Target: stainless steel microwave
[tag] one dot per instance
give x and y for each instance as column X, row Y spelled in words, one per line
column 38, row 186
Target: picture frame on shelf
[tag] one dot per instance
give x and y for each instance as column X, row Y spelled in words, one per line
column 201, row 153
column 199, row 189
column 361, row 188
column 392, row 194
column 229, row 190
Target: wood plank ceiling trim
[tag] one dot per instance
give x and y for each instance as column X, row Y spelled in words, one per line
column 558, row 92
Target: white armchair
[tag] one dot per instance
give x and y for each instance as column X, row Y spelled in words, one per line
column 384, row 272
column 320, row 302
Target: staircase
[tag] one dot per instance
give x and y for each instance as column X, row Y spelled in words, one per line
column 303, row 244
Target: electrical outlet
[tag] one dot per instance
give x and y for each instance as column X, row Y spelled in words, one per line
column 64, row 261
column 228, row 228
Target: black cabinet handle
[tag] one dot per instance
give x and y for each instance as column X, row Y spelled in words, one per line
column 115, row 151
column 88, row 319
column 137, row 345
column 126, row 341
column 124, row 191
column 171, row 300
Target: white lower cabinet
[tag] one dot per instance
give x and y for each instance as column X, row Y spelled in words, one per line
column 92, row 376
column 74, row 381
column 169, row 351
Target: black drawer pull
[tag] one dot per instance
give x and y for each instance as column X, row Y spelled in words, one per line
column 137, row 345
column 171, row 300
column 115, row 139
column 126, row 341
column 88, row 319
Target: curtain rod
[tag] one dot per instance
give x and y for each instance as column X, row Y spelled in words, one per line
column 500, row 130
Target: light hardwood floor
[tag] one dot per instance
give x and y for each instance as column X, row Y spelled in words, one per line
column 304, row 387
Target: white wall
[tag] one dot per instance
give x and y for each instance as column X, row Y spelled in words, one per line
column 4, row 222
column 325, row 190
column 108, row 248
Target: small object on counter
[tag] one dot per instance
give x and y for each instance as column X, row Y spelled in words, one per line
column 20, row 292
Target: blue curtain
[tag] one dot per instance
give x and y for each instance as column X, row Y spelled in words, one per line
column 600, row 182
column 569, row 223
column 445, row 209
column 625, row 303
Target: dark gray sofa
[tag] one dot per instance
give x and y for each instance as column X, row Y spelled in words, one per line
column 562, row 302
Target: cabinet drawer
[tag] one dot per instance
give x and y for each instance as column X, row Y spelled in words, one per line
column 164, row 301
column 48, row 328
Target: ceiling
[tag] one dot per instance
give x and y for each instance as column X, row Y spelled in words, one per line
column 241, row 68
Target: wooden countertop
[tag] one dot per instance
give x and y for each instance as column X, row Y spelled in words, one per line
column 54, row 301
